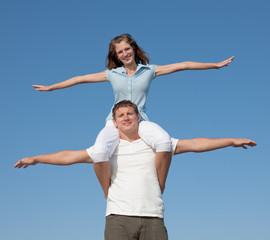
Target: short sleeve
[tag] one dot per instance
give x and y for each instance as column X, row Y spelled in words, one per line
column 174, row 144
column 153, row 70
column 108, row 74
column 90, row 151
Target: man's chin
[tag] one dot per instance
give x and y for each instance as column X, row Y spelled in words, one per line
column 128, row 128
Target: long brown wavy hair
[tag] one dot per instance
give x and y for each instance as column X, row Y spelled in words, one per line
column 113, row 62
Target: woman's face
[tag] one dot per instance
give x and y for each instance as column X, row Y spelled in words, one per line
column 125, row 53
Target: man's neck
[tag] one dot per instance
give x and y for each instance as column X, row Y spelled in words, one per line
column 130, row 137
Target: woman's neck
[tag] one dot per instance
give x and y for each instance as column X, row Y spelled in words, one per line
column 131, row 69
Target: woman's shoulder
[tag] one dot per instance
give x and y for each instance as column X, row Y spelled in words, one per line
column 116, row 69
column 149, row 66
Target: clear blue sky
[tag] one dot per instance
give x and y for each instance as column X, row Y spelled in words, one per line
column 217, row 195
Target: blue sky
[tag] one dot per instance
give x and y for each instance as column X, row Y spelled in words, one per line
column 216, row 195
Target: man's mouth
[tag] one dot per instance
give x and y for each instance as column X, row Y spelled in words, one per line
column 126, row 123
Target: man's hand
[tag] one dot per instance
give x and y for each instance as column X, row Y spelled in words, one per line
column 42, row 88
column 242, row 142
column 25, row 162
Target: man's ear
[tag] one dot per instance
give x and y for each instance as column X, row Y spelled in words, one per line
column 114, row 122
column 139, row 117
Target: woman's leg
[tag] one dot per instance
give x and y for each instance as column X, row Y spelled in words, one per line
column 106, row 142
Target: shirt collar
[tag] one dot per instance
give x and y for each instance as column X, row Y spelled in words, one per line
column 123, row 70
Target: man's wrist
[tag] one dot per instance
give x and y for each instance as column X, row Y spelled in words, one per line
column 36, row 160
column 232, row 142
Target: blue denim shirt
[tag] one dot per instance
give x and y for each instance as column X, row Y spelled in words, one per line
column 133, row 88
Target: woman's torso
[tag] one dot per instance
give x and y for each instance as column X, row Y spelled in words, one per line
column 134, row 88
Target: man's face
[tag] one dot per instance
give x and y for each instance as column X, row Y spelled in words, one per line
column 126, row 120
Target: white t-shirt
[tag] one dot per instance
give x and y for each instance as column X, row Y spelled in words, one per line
column 134, row 189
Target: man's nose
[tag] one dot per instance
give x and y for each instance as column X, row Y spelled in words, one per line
column 126, row 117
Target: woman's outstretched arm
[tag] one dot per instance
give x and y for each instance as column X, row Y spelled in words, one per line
column 171, row 68
column 89, row 78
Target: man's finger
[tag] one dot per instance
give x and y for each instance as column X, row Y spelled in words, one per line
column 18, row 164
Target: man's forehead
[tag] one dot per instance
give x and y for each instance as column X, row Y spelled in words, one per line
column 125, row 109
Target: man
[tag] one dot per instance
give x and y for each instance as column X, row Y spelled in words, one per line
column 134, row 204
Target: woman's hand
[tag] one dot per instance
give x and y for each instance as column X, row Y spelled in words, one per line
column 224, row 63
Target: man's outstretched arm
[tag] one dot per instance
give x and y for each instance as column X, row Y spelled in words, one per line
column 71, row 157
column 59, row 158
column 209, row 144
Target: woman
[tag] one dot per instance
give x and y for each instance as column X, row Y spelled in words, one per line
column 131, row 75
